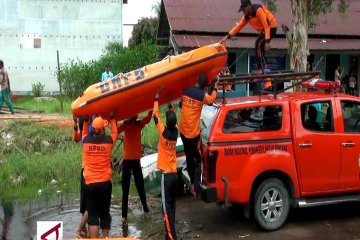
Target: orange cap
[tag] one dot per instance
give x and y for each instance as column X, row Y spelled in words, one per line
column 98, row 123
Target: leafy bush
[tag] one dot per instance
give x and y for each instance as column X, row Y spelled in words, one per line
column 37, row 88
column 77, row 75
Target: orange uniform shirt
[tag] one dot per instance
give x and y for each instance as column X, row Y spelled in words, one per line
column 167, row 144
column 132, row 138
column 261, row 19
column 97, row 152
column 191, row 103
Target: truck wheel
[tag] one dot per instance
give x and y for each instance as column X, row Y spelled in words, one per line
column 271, row 204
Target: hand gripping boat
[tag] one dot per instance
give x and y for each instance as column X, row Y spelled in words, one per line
column 134, row 92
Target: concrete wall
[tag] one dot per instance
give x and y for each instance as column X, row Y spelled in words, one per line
column 132, row 12
column 79, row 29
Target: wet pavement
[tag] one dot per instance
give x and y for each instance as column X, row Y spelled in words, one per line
column 194, row 219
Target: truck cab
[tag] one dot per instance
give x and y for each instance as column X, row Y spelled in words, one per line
column 274, row 152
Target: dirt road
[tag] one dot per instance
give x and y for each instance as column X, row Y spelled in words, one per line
column 208, row 221
column 37, row 117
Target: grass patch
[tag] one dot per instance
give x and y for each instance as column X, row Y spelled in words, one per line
column 33, row 154
column 53, row 106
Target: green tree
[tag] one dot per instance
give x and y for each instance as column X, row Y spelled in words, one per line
column 144, row 31
column 77, row 75
column 157, row 9
column 305, row 16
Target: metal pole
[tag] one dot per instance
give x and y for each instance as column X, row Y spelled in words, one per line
column 59, row 80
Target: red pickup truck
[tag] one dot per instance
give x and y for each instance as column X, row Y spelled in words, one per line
column 299, row 149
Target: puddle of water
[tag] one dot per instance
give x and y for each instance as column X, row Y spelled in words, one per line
column 18, row 220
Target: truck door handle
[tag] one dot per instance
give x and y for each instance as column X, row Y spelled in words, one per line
column 348, row 144
column 305, row 145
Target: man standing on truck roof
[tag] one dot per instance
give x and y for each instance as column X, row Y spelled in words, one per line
column 131, row 163
column 263, row 21
column 192, row 101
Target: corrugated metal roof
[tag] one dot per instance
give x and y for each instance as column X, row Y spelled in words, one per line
column 192, row 41
column 220, row 16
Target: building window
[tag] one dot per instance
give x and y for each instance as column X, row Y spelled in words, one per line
column 125, row 1
column 244, row 120
column 37, row 42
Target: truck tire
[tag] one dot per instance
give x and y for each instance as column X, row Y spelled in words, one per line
column 271, row 204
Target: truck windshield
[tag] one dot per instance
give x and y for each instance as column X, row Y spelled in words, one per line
column 207, row 118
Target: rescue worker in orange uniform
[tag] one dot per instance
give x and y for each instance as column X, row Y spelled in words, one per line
column 192, row 101
column 97, row 150
column 166, row 163
column 77, row 137
column 263, row 21
column 131, row 163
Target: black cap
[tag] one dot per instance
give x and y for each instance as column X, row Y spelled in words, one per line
column 170, row 119
column 243, row 4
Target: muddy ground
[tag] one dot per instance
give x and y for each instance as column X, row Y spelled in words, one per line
column 196, row 219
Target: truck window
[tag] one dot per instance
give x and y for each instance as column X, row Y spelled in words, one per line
column 208, row 114
column 317, row 116
column 351, row 116
column 243, row 120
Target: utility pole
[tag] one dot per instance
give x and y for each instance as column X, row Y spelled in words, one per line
column 59, row 80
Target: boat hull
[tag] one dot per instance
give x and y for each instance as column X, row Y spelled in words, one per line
column 134, row 92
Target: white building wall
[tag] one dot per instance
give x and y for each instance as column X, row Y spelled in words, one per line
column 132, row 12
column 79, row 29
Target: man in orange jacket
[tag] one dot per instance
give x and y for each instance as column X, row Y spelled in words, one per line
column 263, row 21
column 192, row 101
column 166, row 163
column 97, row 150
column 131, row 163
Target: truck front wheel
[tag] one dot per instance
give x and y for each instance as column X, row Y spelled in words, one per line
column 271, row 204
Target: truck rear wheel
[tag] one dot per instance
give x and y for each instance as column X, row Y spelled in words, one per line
column 271, row 204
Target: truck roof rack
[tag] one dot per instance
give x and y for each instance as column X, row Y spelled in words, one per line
column 276, row 77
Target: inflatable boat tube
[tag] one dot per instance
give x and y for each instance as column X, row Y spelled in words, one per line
column 133, row 92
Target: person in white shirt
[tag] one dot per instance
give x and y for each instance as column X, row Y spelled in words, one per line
column 338, row 74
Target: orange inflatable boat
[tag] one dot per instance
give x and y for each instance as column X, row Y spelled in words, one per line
column 134, row 92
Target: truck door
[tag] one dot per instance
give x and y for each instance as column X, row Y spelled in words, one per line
column 349, row 116
column 317, row 145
